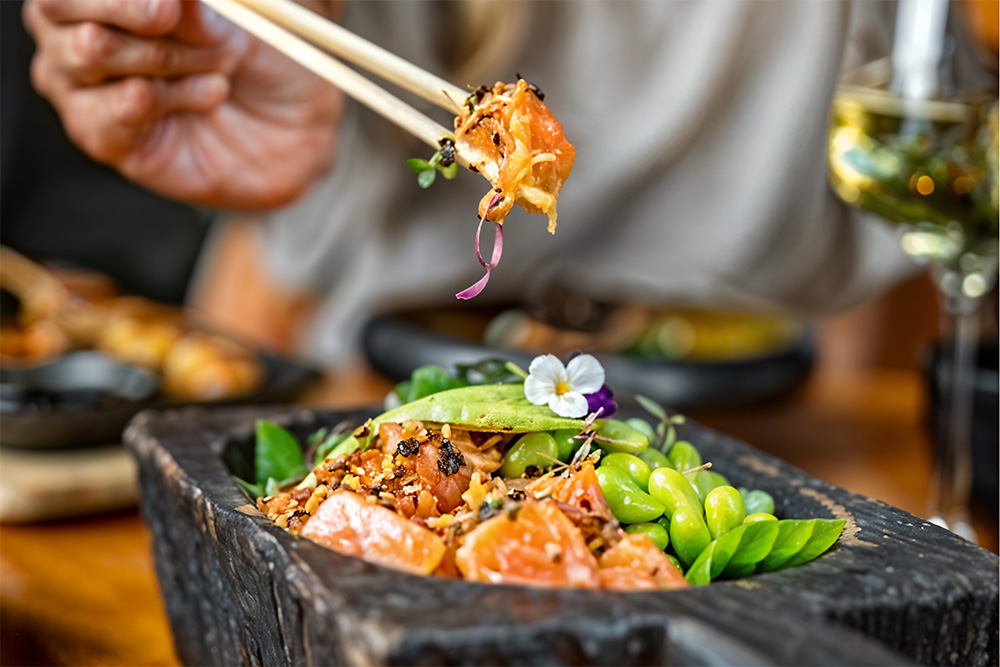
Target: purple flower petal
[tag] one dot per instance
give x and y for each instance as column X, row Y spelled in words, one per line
column 474, row 290
column 602, row 398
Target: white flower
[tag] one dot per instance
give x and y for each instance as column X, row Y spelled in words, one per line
column 563, row 387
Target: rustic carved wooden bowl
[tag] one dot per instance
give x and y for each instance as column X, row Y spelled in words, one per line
column 238, row 590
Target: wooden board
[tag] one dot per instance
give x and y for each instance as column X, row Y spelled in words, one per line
column 240, row 590
column 57, row 484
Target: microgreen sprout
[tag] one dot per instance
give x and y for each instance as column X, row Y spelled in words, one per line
column 666, row 434
column 443, row 162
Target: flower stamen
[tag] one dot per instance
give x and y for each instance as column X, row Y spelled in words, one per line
column 561, row 388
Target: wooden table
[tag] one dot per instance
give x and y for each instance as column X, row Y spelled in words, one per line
column 84, row 592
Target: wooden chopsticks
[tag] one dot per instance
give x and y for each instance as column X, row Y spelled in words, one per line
column 345, row 44
column 244, row 13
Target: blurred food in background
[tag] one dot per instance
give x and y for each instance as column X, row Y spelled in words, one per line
column 674, row 334
column 60, row 310
column 680, row 334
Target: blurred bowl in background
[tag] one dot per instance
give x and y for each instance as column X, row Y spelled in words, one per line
column 679, row 357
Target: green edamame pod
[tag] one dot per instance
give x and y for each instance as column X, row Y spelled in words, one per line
column 684, row 456
column 657, row 533
column 688, row 534
column 567, row 443
column 723, row 510
column 531, row 449
column 642, row 426
column 757, row 501
column 617, row 436
column 654, row 458
column 673, row 490
column 759, row 516
column 632, row 465
column 628, row 502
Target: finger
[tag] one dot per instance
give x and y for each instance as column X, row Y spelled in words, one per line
column 110, row 121
column 91, row 53
column 34, row 20
column 139, row 101
column 143, row 17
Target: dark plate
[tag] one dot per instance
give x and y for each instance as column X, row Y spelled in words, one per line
column 239, row 590
column 98, row 417
column 396, row 347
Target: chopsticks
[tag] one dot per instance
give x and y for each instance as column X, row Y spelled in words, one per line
column 353, row 48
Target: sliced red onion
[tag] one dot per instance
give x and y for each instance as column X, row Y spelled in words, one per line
column 474, row 290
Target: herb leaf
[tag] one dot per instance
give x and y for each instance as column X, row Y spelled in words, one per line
column 450, row 171
column 277, row 454
column 426, row 178
column 255, row 491
column 487, row 371
column 428, row 380
column 652, row 407
column 328, row 445
column 417, row 165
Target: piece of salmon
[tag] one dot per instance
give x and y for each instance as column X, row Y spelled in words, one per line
column 349, row 524
column 537, row 546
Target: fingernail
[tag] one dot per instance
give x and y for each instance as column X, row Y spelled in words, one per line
column 153, row 10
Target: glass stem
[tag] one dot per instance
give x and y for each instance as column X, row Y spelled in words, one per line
column 952, row 481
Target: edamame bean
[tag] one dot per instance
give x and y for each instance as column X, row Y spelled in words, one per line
column 718, row 479
column 654, row 458
column 677, row 563
column 532, row 449
column 688, row 534
column 704, row 481
column 724, row 510
column 684, row 456
column 673, row 490
column 567, row 442
column 617, row 436
column 759, row 516
column 632, row 465
column 701, row 482
column 642, row 426
column 657, row 533
column 628, row 502
column 757, row 501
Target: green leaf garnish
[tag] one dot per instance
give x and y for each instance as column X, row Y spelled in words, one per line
column 417, row 165
column 255, row 491
column 666, row 434
column 277, row 454
column 489, row 371
column 652, row 407
column 450, row 171
column 328, row 445
column 426, row 178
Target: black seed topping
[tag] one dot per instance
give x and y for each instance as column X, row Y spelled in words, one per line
column 449, row 459
column 409, row 447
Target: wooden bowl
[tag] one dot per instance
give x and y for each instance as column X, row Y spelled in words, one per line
column 239, row 590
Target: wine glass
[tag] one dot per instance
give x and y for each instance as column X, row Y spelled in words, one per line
column 929, row 167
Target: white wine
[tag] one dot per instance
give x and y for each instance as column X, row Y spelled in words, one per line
column 929, row 167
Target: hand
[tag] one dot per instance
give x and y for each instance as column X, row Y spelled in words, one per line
column 183, row 102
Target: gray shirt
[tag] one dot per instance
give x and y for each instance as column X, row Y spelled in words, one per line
column 700, row 176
